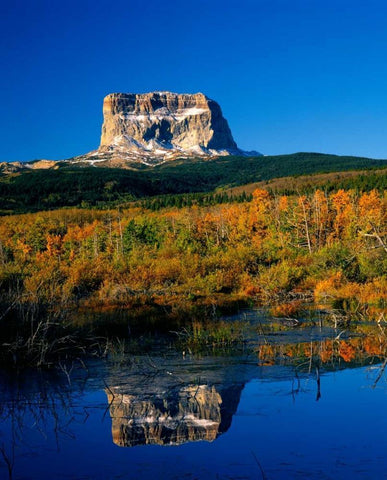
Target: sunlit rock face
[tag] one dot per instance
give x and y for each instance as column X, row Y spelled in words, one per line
column 186, row 414
column 164, row 124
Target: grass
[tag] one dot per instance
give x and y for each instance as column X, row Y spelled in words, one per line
column 214, row 335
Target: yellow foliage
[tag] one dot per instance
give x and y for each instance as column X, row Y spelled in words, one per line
column 283, row 203
column 328, row 287
column 261, row 248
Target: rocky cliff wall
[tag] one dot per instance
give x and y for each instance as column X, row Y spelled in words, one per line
column 162, row 123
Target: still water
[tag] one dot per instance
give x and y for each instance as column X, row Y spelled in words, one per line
column 308, row 410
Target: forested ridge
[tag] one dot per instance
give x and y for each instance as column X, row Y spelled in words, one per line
column 68, row 185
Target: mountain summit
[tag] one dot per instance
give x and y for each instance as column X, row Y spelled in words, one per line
column 155, row 127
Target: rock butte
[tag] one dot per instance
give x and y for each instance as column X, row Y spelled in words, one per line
column 155, row 127
column 164, row 120
column 152, row 128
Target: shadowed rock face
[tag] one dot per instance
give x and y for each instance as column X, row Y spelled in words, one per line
column 186, row 414
column 165, row 124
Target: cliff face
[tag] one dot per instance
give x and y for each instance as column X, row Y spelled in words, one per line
column 164, row 124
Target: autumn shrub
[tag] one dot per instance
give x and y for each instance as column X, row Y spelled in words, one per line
column 45, row 281
column 265, row 249
column 374, row 292
column 286, row 309
column 83, row 278
column 281, row 277
column 248, row 285
column 372, row 264
column 335, row 255
column 113, row 294
column 167, row 272
column 352, row 296
column 327, row 287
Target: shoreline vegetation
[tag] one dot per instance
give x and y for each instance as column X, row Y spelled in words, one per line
column 72, row 279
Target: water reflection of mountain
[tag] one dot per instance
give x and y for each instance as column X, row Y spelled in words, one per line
column 164, row 402
column 186, row 414
column 172, row 399
column 174, row 408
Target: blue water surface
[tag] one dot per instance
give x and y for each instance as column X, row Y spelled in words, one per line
column 278, row 431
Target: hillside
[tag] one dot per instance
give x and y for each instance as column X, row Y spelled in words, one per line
column 363, row 180
column 70, row 185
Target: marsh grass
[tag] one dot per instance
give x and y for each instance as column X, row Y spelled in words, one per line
column 217, row 334
column 40, row 336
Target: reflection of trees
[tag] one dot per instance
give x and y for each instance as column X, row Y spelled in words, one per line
column 328, row 354
column 156, row 407
column 359, row 350
column 381, row 372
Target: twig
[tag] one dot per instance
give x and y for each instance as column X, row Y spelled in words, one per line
column 318, row 396
column 382, row 368
column 259, row 465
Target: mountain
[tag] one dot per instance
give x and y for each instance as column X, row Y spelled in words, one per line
column 152, row 128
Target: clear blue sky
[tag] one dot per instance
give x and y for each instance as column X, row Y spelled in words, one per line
column 307, row 75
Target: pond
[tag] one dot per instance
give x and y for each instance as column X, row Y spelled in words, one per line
column 297, row 403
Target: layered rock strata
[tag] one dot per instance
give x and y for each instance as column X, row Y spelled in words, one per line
column 163, row 124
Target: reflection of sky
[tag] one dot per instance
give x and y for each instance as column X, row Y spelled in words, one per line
column 341, row 436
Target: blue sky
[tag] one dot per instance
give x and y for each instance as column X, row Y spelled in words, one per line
column 307, row 75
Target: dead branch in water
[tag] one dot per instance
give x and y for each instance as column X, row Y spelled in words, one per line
column 318, row 395
column 259, row 465
column 382, row 368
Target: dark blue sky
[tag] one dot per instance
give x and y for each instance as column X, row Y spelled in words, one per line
column 307, row 75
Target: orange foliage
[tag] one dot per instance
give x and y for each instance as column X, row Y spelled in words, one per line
column 329, row 350
column 54, row 245
column 23, row 247
column 344, row 213
column 347, row 351
column 283, row 203
column 328, row 287
column 286, row 309
column 261, row 248
column 371, row 208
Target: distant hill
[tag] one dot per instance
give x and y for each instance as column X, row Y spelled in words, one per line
column 363, row 180
column 71, row 185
